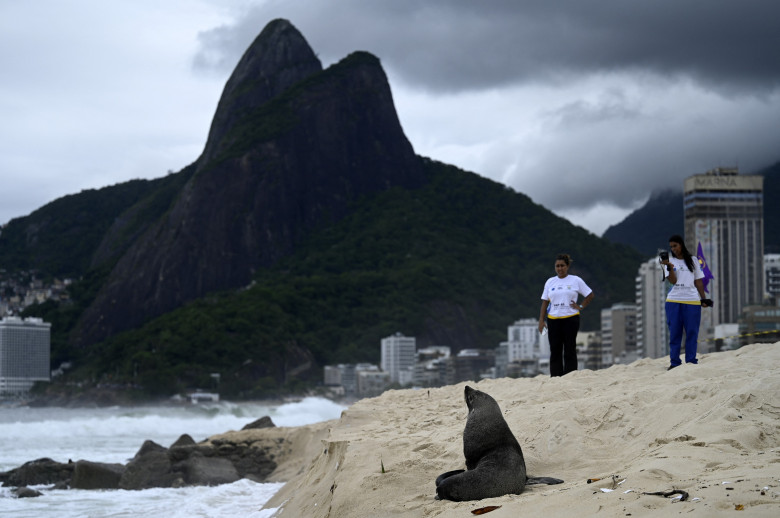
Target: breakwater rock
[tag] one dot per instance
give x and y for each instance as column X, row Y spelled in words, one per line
column 265, row 454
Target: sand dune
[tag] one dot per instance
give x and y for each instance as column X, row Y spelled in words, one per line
column 712, row 430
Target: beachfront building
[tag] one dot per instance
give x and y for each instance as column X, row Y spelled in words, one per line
column 772, row 278
column 618, row 334
column 519, row 356
column 371, row 383
column 652, row 332
column 724, row 213
column 25, row 350
column 524, row 341
column 399, row 354
column 342, row 379
column 474, row 364
column 759, row 324
column 588, row 351
column 435, row 367
column 606, row 338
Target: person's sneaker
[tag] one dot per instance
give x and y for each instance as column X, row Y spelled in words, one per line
column 672, row 367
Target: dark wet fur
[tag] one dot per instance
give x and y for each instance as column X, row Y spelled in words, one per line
column 494, row 460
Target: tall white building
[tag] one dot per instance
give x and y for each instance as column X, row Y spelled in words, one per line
column 652, row 332
column 399, row 354
column 25, row 350
column 724, row 211
column 524, row 341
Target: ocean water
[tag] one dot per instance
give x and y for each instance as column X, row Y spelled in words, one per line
column 115, row 435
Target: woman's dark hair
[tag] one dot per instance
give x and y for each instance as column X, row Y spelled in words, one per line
column 686, row 254
column 565, row 258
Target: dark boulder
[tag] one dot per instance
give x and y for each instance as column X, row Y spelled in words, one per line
column 263, row 422
column 151, row 467
column 26, row 492
column 221, row 462
column 184, row 440
column 149, row 447
column 183, row 452
column 251, row 461
column 96, row 475
column 198, row 470
column 186, row 463
column 38, row 472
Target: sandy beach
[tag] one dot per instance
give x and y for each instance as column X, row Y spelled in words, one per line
column 711, row 430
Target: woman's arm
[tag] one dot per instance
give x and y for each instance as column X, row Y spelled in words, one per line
column 585, row 303
column 542, row 314
column 700, row 288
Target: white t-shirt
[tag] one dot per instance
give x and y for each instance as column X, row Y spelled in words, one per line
column 561, row 293
column 684, row 290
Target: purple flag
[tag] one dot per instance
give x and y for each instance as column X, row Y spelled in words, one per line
column 704, row 268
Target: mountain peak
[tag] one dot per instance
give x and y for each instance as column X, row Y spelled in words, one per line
column 292, row 148
column 278, row 58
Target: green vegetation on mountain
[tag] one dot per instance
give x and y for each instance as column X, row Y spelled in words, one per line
column 61, row 238
column 462, row 255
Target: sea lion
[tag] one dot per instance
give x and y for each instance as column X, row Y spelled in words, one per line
column 494, row 460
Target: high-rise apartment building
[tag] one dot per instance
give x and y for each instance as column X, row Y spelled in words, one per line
column 618, row 334
column 724, row 213
column 652, row 332
column 399, row 354
column 25, row 350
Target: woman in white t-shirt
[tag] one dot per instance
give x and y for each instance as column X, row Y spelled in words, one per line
column 560, row 307
column 684, row 301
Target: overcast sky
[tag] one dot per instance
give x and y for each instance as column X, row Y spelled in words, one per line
column 585, row 106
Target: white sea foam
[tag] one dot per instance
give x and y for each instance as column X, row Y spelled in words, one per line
column 240, row 499
column 115, row 435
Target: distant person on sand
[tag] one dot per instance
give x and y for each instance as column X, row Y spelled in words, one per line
column 684, row 301
column 560, row 307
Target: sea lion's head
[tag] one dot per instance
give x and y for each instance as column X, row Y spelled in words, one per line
column 476, row 397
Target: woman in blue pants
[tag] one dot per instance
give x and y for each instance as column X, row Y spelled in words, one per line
column 684, row 301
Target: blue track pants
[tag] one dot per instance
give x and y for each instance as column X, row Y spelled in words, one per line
column 683, row 317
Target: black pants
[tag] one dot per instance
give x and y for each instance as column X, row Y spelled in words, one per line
column 563, row 344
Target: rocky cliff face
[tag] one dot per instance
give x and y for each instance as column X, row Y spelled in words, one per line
column 278, row 58
column 290, row 148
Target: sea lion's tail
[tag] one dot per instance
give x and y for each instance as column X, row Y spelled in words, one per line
column 543, row 480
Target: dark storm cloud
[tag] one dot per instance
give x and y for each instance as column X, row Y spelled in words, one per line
column 586, row 106
column 581, row 105
column 453, row 46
